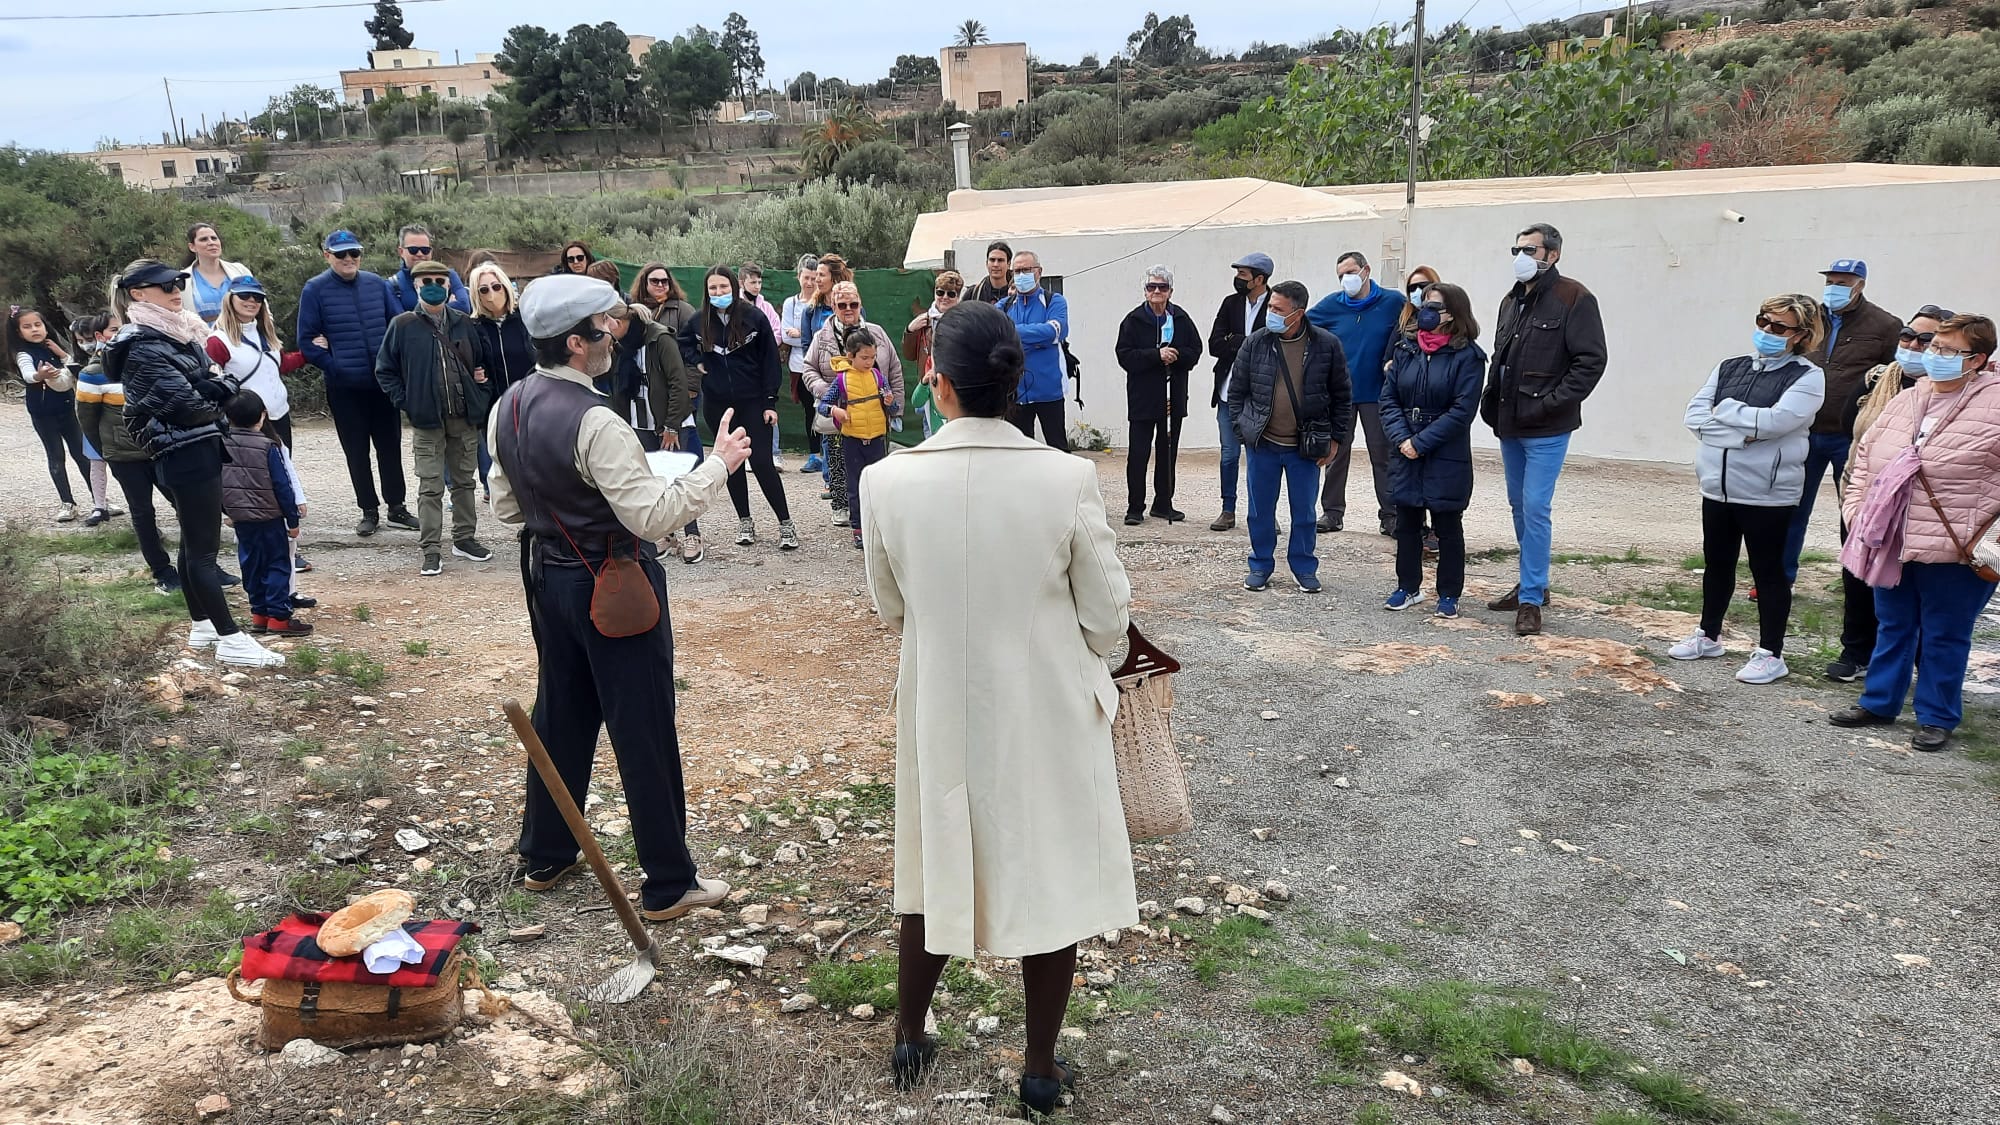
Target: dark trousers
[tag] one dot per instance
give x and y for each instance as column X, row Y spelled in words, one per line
column 284, row 428
column 1159, row 440
column 857, row 454
column 1055, row 429
column 590, row 682
column 137, row 481
column 1367, row 420
column 750, row 416
column 1858, row 625
column 364, row 418
column 1726, row 531
column 264, row 549
column 191, row 476
column 59, row 433
column 1450, row 527
column 691, row 443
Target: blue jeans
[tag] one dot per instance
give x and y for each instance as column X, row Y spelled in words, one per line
column 1823, row 451
column 1532, row 465
column 1926, row 623
column 1270, row 464
column 1232, row 455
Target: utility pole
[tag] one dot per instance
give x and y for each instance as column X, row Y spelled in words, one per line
column 1416, row 140
column 1629, row 39
column 173, row 118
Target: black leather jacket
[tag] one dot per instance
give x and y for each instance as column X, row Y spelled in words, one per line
column 173, row 398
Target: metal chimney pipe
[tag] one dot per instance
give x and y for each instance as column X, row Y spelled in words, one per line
column 961, row 154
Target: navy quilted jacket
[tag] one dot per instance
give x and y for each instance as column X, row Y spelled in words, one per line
column 352, row 315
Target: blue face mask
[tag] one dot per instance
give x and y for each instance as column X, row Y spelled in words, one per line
column 1024, row 282
column 1944, row 368
column 722, row 300
column 431, row 294
column 1910, row 360
column 1429, row 318
column 1274, row 322
column 1837, row 297
column 1768, row 344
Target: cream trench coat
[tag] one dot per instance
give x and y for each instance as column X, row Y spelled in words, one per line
column 990, row 553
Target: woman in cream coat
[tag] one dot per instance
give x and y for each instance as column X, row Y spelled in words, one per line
column 990, row 553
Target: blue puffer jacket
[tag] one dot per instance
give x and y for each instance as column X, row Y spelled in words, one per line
column 1042, row 377
column 352, row 315
column 1429, row 400
column 1366, row 327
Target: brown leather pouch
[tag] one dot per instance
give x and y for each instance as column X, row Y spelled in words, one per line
column 623, row 602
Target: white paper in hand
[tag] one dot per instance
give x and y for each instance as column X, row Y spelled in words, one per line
column 670, row 464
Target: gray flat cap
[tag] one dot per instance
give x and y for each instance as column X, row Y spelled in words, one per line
column 553, row 305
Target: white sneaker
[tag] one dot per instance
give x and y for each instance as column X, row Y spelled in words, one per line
column 66, row 514
column 1764, row 667
column 840, row 517
column 243, row 651
column 1698, row 646
column 202, row 634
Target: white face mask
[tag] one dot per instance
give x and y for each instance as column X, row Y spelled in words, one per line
column 1910, row 360
column 1352, row 284
column 1526, row 267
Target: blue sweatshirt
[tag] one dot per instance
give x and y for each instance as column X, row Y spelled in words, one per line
column 1365, row 327
column 1042, row 377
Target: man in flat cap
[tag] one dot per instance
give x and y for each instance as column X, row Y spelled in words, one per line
column 571, row 474
column 430, row 367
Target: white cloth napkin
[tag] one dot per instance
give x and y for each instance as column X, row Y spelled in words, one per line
column 392, row 951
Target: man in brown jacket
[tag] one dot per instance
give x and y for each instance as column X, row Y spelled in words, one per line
column 1548, row 354
column 1860, row 336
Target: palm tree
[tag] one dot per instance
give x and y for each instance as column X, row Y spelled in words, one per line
column 845, row 127
column 971, row 34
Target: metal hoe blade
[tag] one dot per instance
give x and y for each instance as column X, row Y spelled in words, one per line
column 627, row 983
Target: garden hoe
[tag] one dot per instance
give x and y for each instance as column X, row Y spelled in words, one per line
column 628, row 982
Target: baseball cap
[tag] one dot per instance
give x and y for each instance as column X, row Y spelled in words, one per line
column 1261, row 263
column 1855, row 266
column 341, row 240
column 246, row 284
column 553, row 305
column 152, row 273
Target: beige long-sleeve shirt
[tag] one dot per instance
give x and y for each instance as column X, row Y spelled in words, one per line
column 612, row 461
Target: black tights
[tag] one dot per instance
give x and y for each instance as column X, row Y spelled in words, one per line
column 59, row 432
column 191, row 476
column 1046, row 978
column 769, row 480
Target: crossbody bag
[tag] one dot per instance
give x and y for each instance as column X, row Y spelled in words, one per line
column 1313, row 446
column 1966, row 553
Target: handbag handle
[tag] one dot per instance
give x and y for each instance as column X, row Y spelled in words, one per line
column 1142, row 657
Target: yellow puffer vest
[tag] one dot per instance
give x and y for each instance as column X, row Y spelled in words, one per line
column 866, row 418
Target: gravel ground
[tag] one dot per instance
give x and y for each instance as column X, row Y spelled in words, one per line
column 1724, row 823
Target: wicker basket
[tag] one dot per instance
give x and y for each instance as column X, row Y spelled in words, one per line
column 1151, row 780
column 345, row 1015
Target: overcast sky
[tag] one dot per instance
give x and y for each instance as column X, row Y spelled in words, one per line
column 66, row 84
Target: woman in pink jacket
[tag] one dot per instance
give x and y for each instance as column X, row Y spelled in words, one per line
column 1949, row 424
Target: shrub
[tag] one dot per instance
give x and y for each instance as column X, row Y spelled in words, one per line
column 879, row 162
column 1878, row 9
column 869, row 224
column 1178, row 114
column 1962, row 137
column 1234, row 134
column 1089, row 131
column 1985, row 16
column 1881, row 130
column 1027, row 172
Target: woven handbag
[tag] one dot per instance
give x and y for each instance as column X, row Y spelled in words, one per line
column 341, row 1015
column 1151, row 780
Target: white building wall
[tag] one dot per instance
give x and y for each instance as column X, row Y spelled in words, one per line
column 1678, row 284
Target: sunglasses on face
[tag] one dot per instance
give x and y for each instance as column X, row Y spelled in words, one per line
column 1769, row 325
column 1158, row 287
column 948, row 292
column 659, row 282
column 170, row 286
column 847, row 304
column 420, row 251
column 495, row 288
column 347, row 255
column 253, row 298
column 1519, row 250
column 573, row 258
column 1921, row 339
column 1434, row 306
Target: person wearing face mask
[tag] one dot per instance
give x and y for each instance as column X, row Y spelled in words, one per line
column 1430, row 394
column 432, row 368
column 1548, row 354
column 1860, row 336
column 1364, row 317
column 1289, row 396
column 1419, row 279
column 1751, row 419
column 1157, row 346
column 1921, row 506
column 740, row 378
column 1881, row 386
column 1241, row 315
column 572, row 476
column 1042, row 319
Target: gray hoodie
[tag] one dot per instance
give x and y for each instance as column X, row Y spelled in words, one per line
column 1752, row 418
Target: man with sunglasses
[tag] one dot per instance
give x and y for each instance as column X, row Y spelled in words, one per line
column 413, row 245
column 1858, row 624
column 343, row 315
column 1860, row 336
column 1548, row 355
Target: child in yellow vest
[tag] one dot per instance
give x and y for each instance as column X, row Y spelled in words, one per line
column 861, row 403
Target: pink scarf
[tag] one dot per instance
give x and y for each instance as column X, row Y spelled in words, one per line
column 1430, row 342
column 178, row 324
column 1874, row 548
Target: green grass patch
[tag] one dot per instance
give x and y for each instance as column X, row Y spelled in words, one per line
column 306, row 660
column 321, row 888
column 1133, row 998
column 100, row 542
column 874, row 801
column 1678, row 1096
column 1294, row 990
column 844, row 984
column 261, row 823
column 367, row 774
column 357, row 668
column 161, row 943
column 417, row 648
column 1493, row 554
column 1631, row 555
column 362, row 612
column 1227, row 947
column 1623, row 1117
column 1374, row 1113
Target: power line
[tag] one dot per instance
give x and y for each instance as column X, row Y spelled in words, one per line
column 207, row 12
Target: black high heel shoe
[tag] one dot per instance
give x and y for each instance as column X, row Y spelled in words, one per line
column 912, row 1063
column 1040, row 1096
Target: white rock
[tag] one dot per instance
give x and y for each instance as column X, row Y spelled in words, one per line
column 826, row 828
column 832, row 927
column 1149, row 910
column 1253, row 912
column 799, row 1002
column 1341, row 782
column 1117, row 1058
column 1103, row 979
column 718, row 988
column 751, row 955
column 214, row 1105
column 1191, row 905
column 747, row 860
column 1263, row 833
column 1221, row 1116
column 754, row 915
column 411, row 840
column 1237, row 895
column 1073, row 1034
column 862, row 1011
column 304, row 1053
column 789, row 853
column 1267, row 716
column 1276, row 891
column 544, row 1010
column 986, row 1025
column 1914, row 960
column 1401, row 1083
column 1522, row 1067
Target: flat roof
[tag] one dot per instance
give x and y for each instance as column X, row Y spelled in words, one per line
column 977, row 215
column 1629, row 185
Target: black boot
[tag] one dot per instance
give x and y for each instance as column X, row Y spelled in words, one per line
column 912, row 1063
column 1041, row 1096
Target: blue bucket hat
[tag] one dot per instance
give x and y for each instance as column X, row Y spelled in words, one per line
column 246, row 284
column 341, row 240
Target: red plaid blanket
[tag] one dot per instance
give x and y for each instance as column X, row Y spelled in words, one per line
column 290, row 951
